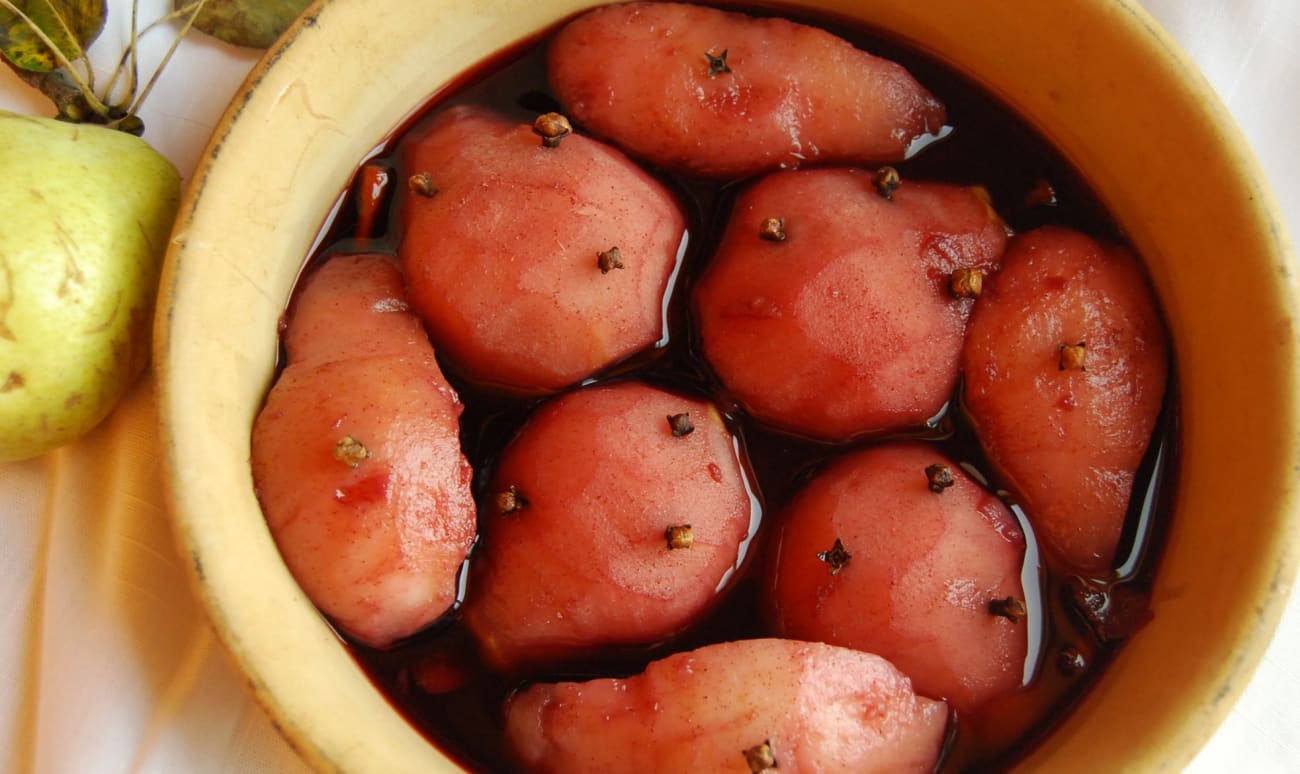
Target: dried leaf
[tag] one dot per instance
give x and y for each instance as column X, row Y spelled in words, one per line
column 250, row 23
column 71, row 25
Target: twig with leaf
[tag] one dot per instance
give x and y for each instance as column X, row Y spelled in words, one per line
column 45, row 43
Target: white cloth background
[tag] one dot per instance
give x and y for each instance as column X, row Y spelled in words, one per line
column 107, row 663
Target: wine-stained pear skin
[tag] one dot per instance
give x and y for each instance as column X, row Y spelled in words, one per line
column 87, row 212
column 763, row 705
column 829, row 309
column 720, row 94
column 1065, row 364
column 356, row 457
column 896, row 550
column 535, row 256
column 616, row 517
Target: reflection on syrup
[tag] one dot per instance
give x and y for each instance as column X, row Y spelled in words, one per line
column 1075, row 625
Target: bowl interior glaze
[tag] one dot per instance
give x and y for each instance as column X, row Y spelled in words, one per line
column 1097, row 77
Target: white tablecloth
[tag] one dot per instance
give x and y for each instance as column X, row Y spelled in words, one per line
column 107, row 663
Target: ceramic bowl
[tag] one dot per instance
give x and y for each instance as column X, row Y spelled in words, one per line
column 1109, row 88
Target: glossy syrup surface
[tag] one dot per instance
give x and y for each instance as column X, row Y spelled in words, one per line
column 1076, row 625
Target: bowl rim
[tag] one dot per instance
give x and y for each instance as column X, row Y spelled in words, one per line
column 278, row 80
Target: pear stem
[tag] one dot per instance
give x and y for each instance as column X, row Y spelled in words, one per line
column 129, row 56
column 114, row 114
column 134, row 50
column 176, row 41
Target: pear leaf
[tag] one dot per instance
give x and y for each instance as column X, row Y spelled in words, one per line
column 71, row 25
column 249, row 23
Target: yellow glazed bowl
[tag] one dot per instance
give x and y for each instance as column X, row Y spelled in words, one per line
column 1113, row 93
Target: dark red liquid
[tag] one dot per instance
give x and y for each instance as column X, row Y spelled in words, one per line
column 435, row 678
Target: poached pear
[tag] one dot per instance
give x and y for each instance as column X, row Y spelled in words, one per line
column 85, row 214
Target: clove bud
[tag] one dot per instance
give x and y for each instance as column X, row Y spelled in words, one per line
column 1010, row 608
column 421, row 184
column 837, row 558
column 760, row 757
column 510, row 501
column 350, row 451
column 552, row 127
column 717, row 64
column 772, row 229
column 679, row 536
column 609, row 260
column 940, row 477
column 1072, row 356
column 967, row 283
column 887, row 181
column 680, row 424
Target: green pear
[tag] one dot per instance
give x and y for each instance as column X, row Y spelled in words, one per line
column 85, row 214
